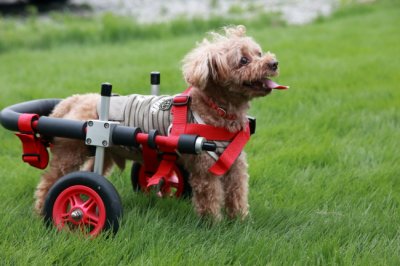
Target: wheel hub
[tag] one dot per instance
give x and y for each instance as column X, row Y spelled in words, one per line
column 77, row 215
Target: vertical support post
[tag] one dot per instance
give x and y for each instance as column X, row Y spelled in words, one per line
column 106, row 89
column 155, row 83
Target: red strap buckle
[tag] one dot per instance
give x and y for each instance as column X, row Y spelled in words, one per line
column 180, row 100
column 34, row 150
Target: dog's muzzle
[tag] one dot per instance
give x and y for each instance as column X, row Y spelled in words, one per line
column 273, row 65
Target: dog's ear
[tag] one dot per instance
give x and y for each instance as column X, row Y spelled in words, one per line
column 196, row 66
column 218, row 65
column 203, row 63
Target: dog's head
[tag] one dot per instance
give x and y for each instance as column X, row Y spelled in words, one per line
column 233, row 62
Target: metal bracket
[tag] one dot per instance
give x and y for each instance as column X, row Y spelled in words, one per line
column 99, row 133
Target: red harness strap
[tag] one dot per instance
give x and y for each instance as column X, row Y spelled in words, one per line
column 231, row 153
column 181, row 126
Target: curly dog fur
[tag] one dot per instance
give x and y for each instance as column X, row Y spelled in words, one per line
column 231, row 70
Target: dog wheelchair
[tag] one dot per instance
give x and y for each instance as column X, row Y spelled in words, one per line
column 87, row 201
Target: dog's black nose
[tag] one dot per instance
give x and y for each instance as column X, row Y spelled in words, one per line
column 273, row 65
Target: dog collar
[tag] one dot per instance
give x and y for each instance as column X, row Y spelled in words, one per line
column 220, row 110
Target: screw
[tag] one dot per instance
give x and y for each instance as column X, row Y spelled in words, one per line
column 90, row 123
column 106, row 125
column 88, row 141
column 104, row 143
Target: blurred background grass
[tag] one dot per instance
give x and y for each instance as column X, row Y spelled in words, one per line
column 62, row 28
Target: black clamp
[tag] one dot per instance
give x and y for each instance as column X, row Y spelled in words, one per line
column 252, row 124
column 151, row 141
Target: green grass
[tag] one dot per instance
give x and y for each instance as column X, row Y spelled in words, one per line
column 324, row 163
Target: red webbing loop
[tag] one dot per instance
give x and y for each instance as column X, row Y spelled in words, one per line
column 164, row 169
column 34, row 150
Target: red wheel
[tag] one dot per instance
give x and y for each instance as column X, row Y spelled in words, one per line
column 85, row 202
column 175, row 185
column 79, row 207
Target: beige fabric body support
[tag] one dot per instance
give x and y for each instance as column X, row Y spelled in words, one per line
column 144, row 111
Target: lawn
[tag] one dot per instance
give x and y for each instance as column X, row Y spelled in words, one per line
column 324, row 163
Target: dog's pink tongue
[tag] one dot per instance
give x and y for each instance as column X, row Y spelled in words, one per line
column 273, row 85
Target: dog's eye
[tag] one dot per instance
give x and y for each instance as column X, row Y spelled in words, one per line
column 244, row 61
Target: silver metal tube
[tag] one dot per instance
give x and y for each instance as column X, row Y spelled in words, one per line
column 155, row 90
column 198, row 146
column 99, row 160
column 104, row 108
column 103, row 116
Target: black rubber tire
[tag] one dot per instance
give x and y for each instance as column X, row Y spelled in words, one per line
column 99, row 184
column 187, row 189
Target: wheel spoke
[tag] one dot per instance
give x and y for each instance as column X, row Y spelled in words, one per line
column 65, row 217
column 92, row 219
column 75, row 200
column 89, row 204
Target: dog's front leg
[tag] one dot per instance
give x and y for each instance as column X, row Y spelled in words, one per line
column 235, row 184
column 208, row 194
